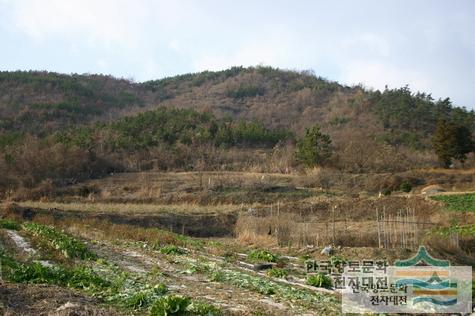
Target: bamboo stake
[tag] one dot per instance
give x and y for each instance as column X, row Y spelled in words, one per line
column 333, row 219
column 379, row 228
column 385, row 228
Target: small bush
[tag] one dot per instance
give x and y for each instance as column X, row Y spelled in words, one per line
column 245, row 91
column 405, row 186
column 319, row 280
column 262, row 255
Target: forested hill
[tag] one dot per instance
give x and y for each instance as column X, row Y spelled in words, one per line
column 41, row 102
column 57, row 129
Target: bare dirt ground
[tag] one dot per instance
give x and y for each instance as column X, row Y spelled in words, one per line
column 29, row 299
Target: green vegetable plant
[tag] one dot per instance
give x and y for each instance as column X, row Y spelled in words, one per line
column 319, row 280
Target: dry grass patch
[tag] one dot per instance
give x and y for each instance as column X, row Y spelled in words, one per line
column 131, row 208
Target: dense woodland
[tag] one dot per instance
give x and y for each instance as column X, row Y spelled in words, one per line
column 60, row 129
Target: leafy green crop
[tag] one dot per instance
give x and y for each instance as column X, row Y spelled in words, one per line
column 268, row 287
column 138, row 300
column 205, row 309
column 277, row 273
column 9, row 224
column 324, row 303
column 69, row 246
column 78, row 278
column 172, row 250
column 337, row 261
column 319, row 280
column 459, row 202
column 182, row 305
column 464, row 230
column 262, row 255
column 170, row 305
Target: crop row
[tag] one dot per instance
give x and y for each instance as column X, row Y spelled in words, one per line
column 69, row 246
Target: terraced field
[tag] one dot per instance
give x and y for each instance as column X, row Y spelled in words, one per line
column 193, row 244
column 134, row 276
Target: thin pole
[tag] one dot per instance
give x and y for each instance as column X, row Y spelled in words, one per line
column 334, row 239
column 379, row 228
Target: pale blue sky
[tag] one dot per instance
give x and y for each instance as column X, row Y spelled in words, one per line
column 429, row 45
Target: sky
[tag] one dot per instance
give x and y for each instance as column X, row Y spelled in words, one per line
column 428, row 45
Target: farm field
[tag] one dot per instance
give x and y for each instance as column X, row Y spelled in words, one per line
column 193, row 242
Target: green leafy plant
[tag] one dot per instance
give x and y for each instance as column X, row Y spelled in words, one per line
column 230, row 256
column 9, row 224
column 170, row 305
column 205, row 309
column 463, row 230
column 192, row 268
column 337, row 261
column 160, row 289
column 319, row 301
column 138, row 300
column 262, row 255
column 277, row 273
column 319, row 280
column 172, row 250
column 458, row 202
column 69, row 246
column 217, row 276
column 79, row 277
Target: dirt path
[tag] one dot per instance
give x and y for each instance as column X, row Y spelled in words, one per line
column 21, row 243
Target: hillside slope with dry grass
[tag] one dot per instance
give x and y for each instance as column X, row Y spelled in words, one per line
column 278, row 98
column 59, row 129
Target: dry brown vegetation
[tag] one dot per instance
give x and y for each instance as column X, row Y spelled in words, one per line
column 224, row 187
column 235, row 197
column 285, row 210
column 371, row 131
